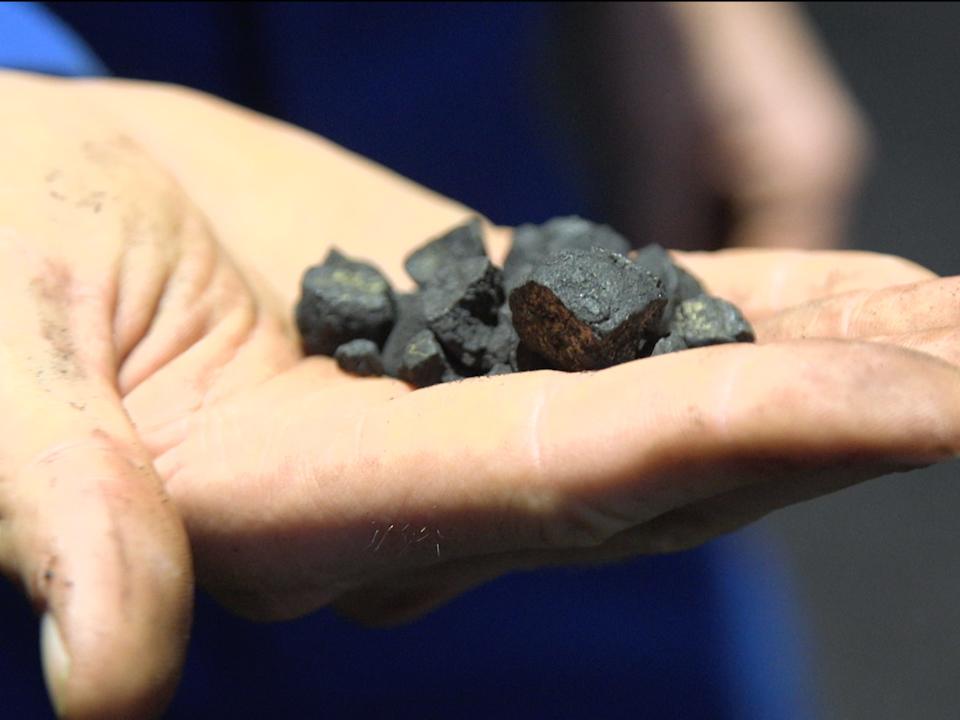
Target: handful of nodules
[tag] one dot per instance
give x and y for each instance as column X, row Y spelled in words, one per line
column 567, row 298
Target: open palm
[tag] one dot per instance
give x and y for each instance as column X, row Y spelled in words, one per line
column 300, row 486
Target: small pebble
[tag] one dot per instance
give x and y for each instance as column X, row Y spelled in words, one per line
column 360, row 357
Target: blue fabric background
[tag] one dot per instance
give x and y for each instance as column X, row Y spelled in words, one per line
column 33, row 39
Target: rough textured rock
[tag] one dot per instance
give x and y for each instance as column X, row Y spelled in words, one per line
column 706, row 320
column 678, row 284
column 424, row 363
column 533, row 244
column 427, row 264
column 688, row 287
column 575, row 303
column 526, row 360
column 342, row 300
column 501, row 345
column 587, row 309
column 668, row 344
column 461, row 310
column 410, row 321
column 360, row 357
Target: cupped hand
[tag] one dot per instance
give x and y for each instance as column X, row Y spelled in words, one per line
column 318, row 487
column 154, row 239
column 125, row 317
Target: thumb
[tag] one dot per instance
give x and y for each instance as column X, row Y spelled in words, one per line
column 90, row 534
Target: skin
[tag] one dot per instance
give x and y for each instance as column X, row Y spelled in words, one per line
column 692, row 105
column 786, row 144
column 151, row 242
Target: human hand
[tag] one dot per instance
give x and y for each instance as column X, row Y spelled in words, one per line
column 786, row 143
column 717, row 124
column 454, row 465
column 90, row 232
column 300, row 485
column 125, row 316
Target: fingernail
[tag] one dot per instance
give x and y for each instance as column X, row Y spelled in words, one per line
column 56, row 662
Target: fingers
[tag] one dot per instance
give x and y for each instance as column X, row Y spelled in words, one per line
column 765, row 282
column 690, row 526
column 789, row 144
column 943, row 343
column 86, row 527
column 410, row 594
column 771, row 483
column 360, row 480
column 921, row 306
column 103, row 557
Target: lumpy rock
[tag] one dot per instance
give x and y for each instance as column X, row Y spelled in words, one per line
column 669, row 344
column 461, row 307
column 567, row 298
column 587, row 309
column 533, row 244
column 424, row 363
column 706, row 320
column 360, row 357
column 678, row 284
column 428, row 264
column 410, row 321
column 343, row 300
